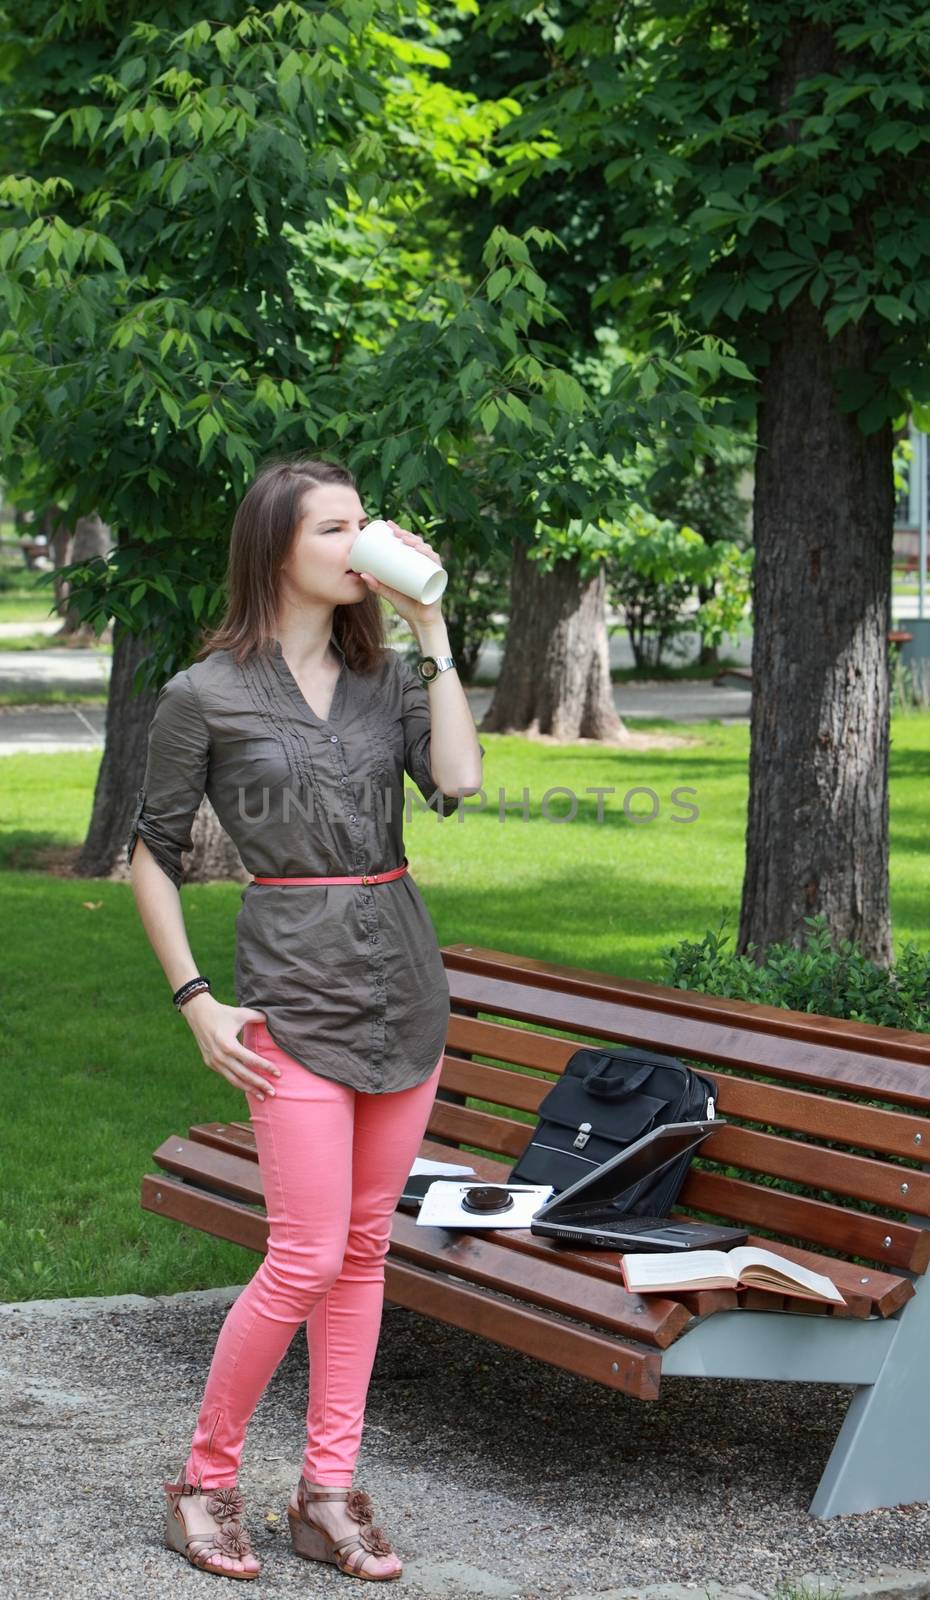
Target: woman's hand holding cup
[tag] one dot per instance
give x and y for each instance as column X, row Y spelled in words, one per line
column 414, row 612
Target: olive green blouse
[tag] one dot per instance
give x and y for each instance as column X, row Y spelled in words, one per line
column 349, row 976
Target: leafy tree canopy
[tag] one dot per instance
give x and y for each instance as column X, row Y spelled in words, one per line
column 749, row 153
column 224, row 241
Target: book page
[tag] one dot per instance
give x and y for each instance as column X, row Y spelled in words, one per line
column 691, row 1266
column 748, row 1256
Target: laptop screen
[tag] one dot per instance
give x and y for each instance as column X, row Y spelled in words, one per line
column 641, row 1159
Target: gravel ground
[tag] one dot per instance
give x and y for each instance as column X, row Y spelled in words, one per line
column 493, row 1474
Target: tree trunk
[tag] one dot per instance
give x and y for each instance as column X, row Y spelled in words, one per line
column 708, row 654
column 817, row 836
column 92, row 537
column 121, row 774
column 555, row 673
column 123, row 765
column 214, row 856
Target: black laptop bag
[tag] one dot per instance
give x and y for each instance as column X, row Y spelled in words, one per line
column 604, row 1101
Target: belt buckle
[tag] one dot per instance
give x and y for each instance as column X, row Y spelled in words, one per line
column 367, row 879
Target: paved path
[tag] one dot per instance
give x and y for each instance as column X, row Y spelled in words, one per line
column 30, row 730
column 39, row 729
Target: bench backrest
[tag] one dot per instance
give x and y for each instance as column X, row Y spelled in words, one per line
column 828, row 1134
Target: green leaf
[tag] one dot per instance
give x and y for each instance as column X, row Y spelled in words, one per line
column 207, row 429
column 498, row 282
column 170, row 406
column 649, row 381
column 895, row 310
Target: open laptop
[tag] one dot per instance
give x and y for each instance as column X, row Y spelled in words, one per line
column 586, row 1213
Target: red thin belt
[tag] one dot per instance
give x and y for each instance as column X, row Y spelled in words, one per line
column 368, row 877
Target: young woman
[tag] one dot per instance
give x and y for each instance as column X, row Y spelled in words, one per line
column 299, row 723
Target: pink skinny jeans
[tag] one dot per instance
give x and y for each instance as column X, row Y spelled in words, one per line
column 333, row 1161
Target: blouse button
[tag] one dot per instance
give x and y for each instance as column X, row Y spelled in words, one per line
column 334, row 738
column 343, row 780
column 353, row 817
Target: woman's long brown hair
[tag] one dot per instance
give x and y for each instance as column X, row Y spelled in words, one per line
column 263, row 531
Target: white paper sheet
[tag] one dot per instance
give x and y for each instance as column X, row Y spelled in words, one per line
column 420, row 1164
column 442, row 1206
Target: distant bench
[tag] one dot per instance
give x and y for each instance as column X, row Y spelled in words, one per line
column 29, row 549
column 828, row 1161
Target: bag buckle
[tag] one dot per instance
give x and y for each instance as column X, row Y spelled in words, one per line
column 583, row 1135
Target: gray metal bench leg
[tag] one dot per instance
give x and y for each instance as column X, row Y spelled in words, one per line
column 882, row 1454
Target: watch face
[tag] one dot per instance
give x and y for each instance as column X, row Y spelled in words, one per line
column 427, row 668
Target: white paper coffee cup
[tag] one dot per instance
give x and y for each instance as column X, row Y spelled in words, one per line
column 380, row 551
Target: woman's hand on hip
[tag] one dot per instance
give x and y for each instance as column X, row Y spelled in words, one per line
column 216, row 1028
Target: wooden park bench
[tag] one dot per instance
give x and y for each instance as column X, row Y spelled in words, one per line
column 825, row 1156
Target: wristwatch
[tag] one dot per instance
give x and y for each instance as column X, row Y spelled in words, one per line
column 429, row 667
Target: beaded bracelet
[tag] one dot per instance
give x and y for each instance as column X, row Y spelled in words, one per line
column 189, row 989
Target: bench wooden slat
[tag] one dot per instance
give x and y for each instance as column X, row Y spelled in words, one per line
column 852, row 1232
column 519, row 1091
column 211, row 1213
column 892, row 1133
column 467, row 1125
column 856, row 1176
column 618, row 1364
column 701, row 1036
column 210, row 1168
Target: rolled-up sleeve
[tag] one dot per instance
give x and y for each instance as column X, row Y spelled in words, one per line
column 417, row 739
column 175, row 776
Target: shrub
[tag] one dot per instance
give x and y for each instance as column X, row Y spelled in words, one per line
column 833, row 982
column 657, row 570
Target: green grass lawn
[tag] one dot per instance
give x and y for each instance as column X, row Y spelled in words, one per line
column 101, row 1069
column 23, row 597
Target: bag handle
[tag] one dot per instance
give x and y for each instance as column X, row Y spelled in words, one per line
column 604, row 1087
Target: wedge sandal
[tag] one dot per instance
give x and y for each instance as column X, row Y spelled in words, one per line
column 230, row 1539
column 314, row 1543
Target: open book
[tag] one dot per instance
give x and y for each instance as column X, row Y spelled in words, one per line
column 745, row 1268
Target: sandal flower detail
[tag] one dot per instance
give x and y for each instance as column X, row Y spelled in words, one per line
column 225, row 1503
column 234, row 1541
column 376, row 1540
column 359, row 1505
